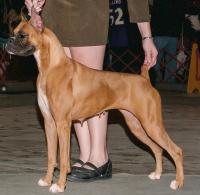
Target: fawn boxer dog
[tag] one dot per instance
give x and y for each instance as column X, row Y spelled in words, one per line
column 69, row 91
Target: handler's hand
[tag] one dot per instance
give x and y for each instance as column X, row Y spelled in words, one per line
column 150, row 52
column 38, row 5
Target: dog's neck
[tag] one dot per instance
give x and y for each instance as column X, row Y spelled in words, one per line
column 50, row 52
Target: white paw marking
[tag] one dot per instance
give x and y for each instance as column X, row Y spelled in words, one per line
column 174, row 185
column 42, row 183
column 55, row 189
column 154, row 176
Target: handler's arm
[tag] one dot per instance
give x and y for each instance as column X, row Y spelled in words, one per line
column 139, row 13
column 138, row 10
column 149, row 48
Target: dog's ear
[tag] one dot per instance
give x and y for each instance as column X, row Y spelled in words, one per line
column 25, row 14
column 36, row 20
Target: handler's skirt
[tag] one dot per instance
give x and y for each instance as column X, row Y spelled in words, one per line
column 78, row 22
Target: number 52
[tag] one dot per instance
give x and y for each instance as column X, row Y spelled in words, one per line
column 119, row 17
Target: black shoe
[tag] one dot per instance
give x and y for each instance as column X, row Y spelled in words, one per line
column 87, row 175
column 74, row 168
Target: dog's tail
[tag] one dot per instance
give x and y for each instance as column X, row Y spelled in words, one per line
column 145, row 71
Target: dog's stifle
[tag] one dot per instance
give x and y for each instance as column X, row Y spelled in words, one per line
column 69, row 91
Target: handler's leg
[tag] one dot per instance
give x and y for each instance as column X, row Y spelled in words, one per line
column 92, row 136
column 82, row 132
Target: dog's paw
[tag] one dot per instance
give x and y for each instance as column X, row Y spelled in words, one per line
column 154, row 176
column 174, row 185
column 42, row 183
column 55, row 189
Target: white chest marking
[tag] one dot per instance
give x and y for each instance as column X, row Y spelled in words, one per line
column 43, row 101
column 37, row 57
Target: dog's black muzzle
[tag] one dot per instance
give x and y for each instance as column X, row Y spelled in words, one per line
column 16, row 46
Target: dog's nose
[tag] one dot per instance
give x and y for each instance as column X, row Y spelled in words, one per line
column 9, row 44
column 11, row 40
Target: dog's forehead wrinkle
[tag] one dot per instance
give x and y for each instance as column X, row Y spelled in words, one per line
column 22, row 27
column 19, row 27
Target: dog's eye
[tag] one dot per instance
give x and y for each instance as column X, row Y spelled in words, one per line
column 14, row 23
column 22, row 35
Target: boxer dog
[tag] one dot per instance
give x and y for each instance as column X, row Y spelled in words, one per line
column 69, row 91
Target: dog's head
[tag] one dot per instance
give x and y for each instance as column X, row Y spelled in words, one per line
column 26, row 36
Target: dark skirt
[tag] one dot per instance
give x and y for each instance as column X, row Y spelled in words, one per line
column 78, row 22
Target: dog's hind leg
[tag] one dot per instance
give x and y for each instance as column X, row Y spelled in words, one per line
column 63, row 130
column 51, row 137
column 158, row 134
column 136, row 128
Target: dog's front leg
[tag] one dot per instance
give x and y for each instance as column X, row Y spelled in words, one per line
column 52, row 142
column 63, row 129
column 50, row 132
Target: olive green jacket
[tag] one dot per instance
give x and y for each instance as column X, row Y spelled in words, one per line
column 86, row 22
column 138, row 10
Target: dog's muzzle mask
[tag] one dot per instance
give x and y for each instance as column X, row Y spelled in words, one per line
column 18, row 45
